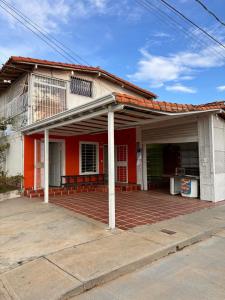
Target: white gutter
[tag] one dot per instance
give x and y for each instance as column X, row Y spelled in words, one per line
column 172, row 113
column 78, row 119
column 100, row 102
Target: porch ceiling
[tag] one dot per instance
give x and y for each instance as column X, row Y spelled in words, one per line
column 123, row 118
column 93, row 118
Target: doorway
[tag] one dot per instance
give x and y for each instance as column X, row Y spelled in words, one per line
column 164, row 161
column 56, row 163
column 121, row 163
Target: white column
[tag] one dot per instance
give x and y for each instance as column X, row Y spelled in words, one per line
column 139, row 161
column 111, row 170
column 46, row 166
column 30, row 100
column 144, row 167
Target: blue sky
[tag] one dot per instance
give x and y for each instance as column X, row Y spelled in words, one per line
column 129, row 41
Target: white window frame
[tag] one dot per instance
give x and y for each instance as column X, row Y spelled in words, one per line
column 80, row 158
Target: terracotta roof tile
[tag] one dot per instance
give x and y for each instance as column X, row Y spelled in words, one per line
column 126, row 84
column 166, row 106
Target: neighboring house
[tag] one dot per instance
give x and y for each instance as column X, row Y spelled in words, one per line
column 63, row 119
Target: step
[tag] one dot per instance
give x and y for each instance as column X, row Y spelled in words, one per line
column 80, row 189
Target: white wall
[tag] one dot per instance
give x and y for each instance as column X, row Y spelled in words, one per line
column 175, row 133
column 212, row 157
column 219, row 154
column 101, row 87
column 14, row 160
column 206, row 162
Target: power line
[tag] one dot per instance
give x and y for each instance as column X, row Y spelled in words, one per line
column 37, row 32
column 176, row 11
column 210, row 12
column 167, row 19
column 43, row 37
column 43, row 32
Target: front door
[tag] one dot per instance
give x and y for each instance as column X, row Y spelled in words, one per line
column 38, row 164
column 55, row 163
column 121, row 164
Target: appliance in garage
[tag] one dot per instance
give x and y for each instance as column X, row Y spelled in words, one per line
column 186, row 185
column 189, row 186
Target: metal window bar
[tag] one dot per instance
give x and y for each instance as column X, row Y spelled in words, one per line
column 16, row 106
column 49, row 97
column 88, row 158
column 81, row 87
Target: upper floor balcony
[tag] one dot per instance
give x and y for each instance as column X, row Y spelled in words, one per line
column 48, row 96
column 43, row 96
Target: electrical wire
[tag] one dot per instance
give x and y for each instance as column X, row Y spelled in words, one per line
column 44, row 38
column 24, row 24
column 176, row 11
column 168, row 20
column 210, row 12
column 44, row 33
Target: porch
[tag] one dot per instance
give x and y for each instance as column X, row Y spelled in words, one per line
column 132, row 208
column 110, row 136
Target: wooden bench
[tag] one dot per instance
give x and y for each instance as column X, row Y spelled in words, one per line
column 82, row 180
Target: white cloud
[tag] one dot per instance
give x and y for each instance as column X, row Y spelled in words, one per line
column 123, row 8
column 99, row 3
column 221, row 88
column 157, row 70
column 48, row 14
column 161, row 34
column 181, row 88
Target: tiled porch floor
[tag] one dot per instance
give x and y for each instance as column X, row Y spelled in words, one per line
column 132, row 208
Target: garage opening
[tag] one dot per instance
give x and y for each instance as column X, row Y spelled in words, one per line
column 173, row 168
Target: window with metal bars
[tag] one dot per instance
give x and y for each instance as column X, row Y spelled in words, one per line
column 89, row 158
column 81, row 87
column 49, row 97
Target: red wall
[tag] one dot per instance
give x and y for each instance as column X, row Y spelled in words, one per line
column 122, row 137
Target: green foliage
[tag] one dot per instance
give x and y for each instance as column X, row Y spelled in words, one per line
column 3, row 151
column 4, row 123
column 10, row 182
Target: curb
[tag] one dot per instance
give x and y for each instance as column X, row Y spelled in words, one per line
column 143, row 261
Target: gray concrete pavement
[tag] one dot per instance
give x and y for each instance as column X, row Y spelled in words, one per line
column 30, row 229
column 197, row 272
column 48, row 252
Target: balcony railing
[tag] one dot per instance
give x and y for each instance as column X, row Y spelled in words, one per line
column 15, row 107
column 48, row 97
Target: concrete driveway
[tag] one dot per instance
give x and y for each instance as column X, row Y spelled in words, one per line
column 30, row 229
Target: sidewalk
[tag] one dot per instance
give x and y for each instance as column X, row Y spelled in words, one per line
column 71, row 271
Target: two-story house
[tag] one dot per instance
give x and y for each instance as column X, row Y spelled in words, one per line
column 79, row 125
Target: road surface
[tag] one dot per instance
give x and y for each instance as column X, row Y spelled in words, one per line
column 195, row 273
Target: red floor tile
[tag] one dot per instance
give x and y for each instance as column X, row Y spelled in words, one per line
column 132, row 208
